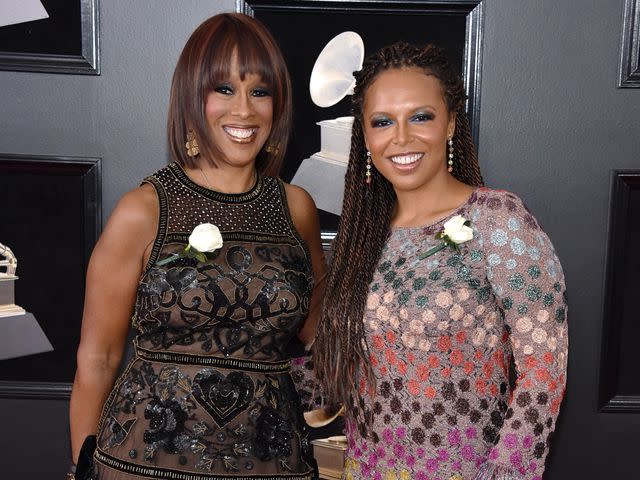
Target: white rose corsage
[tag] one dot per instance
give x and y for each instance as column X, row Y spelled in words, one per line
column 456, row 230
column 204, row 239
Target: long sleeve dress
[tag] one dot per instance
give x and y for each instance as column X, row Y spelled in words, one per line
column 442, row 332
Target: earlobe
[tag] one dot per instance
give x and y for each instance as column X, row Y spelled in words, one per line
column 452, row 125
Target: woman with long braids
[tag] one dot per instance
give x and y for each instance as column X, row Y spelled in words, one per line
column 438, row 286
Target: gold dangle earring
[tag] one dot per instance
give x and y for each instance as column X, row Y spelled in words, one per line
column 367, row 175
column 193, row 150
column 272, row 148
column 450, row 161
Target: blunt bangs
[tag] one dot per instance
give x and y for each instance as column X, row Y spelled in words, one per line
column 253, row 56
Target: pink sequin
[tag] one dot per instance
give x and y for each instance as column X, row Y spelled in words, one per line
column 454, row 437
column 468, row 453
column 443, row 455
column 516, row 459
column 432, row 464
column 399, row 450
column 511, row 440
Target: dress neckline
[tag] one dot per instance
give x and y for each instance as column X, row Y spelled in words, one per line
column 251, row 194
column 432, row 226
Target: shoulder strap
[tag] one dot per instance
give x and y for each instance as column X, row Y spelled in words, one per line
column 163, row 203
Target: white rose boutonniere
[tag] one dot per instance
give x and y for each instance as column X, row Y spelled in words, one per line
column 456, row 230
column 204, row 239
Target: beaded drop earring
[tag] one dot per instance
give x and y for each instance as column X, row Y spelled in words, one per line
column 367, row 175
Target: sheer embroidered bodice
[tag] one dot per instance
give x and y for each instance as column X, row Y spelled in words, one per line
column 208, row 393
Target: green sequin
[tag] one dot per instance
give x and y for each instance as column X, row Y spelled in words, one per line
column 419, row 283
column 389, row 276
column 411, row 274
column 397, row 283
column 435, row 275
column 404, row 297
column 384, row 266
column 548, row 299
column 560, row 313
column 523, row 308
column 533, row 293
column 516, row 282
column 454, row 260
column 401, row 261
column 507, row 303
column 482, row 294
column 557, row 287
column 476, row 255
column 474, row 283
column 534, row 271
column 421, row 301
column 464, row 272
column 448, row 283
column 375, row 287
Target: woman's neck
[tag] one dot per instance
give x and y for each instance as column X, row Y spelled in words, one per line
column 433, row 202
column 223, row 178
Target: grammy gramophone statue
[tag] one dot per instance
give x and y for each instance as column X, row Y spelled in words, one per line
column 20, row 333
column 322, row 174
column 9, row 263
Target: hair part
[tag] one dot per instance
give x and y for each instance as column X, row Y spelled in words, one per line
column 341, row 353
column 204, row 63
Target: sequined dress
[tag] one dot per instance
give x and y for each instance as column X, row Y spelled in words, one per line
column 208, row 394
column 441, row 332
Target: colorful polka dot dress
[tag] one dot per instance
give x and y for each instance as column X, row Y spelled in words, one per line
column 442, row 332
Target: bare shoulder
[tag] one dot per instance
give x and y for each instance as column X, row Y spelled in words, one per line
column 303, row 211
column 134, row 220
column 298, row 198
column 300, row 203
column 138, row 202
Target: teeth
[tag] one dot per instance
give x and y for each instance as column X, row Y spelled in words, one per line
column 240, row 132
column 406, row 159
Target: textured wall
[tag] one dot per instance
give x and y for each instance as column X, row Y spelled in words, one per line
column 553, row 125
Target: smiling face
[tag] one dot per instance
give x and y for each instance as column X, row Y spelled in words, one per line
column 406, row 126
column 239, row 114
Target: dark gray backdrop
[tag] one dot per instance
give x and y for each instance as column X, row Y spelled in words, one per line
column 553, row 125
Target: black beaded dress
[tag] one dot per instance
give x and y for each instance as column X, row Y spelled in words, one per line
column 208, row 394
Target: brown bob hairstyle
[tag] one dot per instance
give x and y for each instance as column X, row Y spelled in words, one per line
column 204, row 62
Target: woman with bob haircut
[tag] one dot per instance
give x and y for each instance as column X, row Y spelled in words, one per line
column 437, row 285
column 217, row 264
